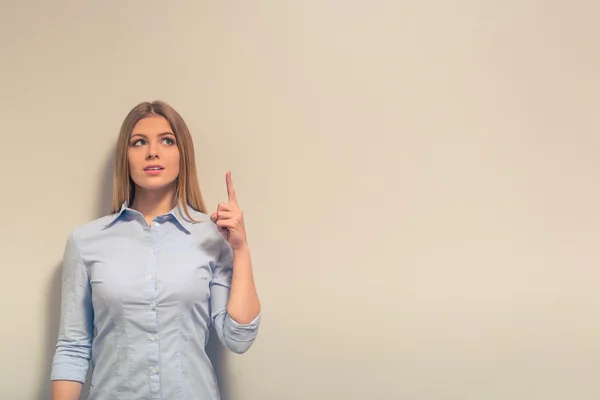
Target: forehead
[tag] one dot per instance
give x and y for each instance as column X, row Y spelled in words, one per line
column 153, row 125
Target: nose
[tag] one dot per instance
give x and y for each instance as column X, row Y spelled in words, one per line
column 152, row 153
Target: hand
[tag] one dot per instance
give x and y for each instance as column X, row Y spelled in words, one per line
column 229, row 218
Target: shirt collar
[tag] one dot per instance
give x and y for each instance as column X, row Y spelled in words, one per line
column 176, row 213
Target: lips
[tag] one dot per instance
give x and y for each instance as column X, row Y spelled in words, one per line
column 154, row 168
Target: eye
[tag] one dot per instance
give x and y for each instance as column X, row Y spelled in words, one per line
column 138, row 142
column 169, row 141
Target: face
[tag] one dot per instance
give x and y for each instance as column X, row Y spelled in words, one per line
column 153, row 154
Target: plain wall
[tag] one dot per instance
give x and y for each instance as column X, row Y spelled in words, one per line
column 420, row 183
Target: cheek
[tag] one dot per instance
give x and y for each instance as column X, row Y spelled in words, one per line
column 174, row 160
column 175, row 168
column 133, row 161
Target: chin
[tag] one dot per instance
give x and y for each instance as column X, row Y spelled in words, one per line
column 155, row 184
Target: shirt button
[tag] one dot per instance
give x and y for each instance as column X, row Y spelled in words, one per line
column 151, row 251
column 154, row 371
column 149, row 276
column 151, row 306
column 153, row 338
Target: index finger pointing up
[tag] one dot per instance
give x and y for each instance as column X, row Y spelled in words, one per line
column 230, row 189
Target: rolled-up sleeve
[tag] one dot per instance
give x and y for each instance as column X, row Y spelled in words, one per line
column 75, row 336
column 236, row 337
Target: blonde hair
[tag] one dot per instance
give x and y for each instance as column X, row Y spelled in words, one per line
column 187, row 181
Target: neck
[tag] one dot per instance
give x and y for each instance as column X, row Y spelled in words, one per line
column 152, row 203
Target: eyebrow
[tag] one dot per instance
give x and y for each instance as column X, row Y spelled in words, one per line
column 160, row 134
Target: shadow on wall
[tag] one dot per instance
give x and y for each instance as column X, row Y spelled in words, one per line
column 215, row 350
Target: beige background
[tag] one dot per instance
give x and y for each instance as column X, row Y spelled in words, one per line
column 419, row 180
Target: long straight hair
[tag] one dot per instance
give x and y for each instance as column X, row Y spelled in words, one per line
column 188, row 192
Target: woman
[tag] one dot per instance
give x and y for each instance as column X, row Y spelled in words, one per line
column 141, row 286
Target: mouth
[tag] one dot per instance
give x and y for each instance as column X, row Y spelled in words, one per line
column 153, row 169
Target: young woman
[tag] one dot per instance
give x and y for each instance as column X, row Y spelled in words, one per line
column 140, row 287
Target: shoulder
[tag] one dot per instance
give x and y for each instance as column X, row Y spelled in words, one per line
column 206, row 231
column 91, row 228
column 202, row 223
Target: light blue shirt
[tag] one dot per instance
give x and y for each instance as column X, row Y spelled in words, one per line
column 138, row 301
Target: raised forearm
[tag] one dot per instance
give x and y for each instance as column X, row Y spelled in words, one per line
column 66, row 390
column 243, row 305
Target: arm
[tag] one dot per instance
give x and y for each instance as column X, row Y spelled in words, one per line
column 66, row 390
column 74, row 346
column 243, row 305
column 234, row 303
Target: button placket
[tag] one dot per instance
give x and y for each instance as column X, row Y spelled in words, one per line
column 152, row 312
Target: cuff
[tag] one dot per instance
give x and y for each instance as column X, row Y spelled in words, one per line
column 69, row 372
column 242, row 332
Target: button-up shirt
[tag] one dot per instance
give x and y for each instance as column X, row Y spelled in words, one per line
column 138, row 300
